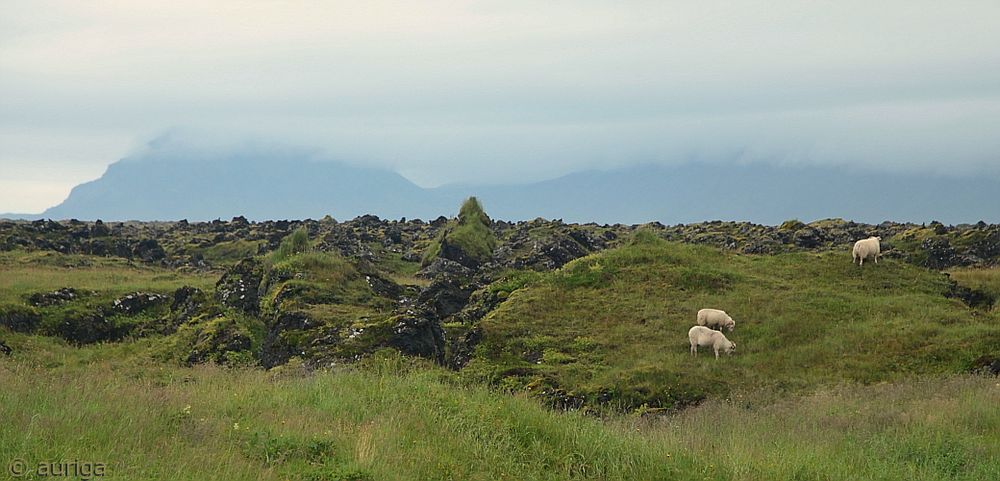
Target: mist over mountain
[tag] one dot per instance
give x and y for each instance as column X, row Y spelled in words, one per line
column 761, row 193
column 273, row 183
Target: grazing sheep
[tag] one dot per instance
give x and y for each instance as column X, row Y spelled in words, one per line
column 703, row 336
column 865, row 248
column 714, row 318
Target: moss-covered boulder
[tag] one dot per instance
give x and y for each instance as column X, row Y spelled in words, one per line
column 220, row 339
column 56, row 297
column 81, row 324
column 469, row 240
column 238, row 287
column 19, row 318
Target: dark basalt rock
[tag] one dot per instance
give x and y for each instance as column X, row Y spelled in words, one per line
column 987, row 365
column 807, row 237
column 464, row 347
column 480, row 303
column 442, row 266
column 19, row 318
column 239, row 221
column 452, row 251
column 87, row 327
column 5, row 349
column 187, row 301
column 547, row 254
column 940, row 254
column 216, row 343
column 137, row 302
column 418, row 336
column 445, row 296
column 238, row 288
column 275, row 349
column 60, row 296
column 148, row 250
column 971, row 297
column 99, row 229
column 537, row 244
column 384, row 287
column 588, row 240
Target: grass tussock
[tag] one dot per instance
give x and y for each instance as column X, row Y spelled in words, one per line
column 471, row 234
column 293, row 244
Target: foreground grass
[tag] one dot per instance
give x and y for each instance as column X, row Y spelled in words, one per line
column 390, row 419
column 930, row 429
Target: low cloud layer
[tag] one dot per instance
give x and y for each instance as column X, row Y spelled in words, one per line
column 501, row 91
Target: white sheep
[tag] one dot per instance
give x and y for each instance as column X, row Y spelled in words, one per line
column 703, row 336
column 714, row 318
column 865, row 248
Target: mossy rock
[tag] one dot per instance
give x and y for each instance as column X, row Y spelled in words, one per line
column 217, row 340
column 469, row 240
column 84, row 325
column 19, row 318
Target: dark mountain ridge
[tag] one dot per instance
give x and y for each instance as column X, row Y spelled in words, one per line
column 280, row 184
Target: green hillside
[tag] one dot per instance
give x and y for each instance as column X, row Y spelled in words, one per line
column 611, row 328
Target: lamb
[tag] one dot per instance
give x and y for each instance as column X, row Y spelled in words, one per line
column 865, row 248
column 714, row 318
column 703, row 336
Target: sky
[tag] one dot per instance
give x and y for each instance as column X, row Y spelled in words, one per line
column 500, row 91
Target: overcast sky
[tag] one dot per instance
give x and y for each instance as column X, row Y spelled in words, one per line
column 506, row 90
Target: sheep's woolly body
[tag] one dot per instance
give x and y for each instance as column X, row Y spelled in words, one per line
column 705, row 337
column 714, row 318
column 865, row 248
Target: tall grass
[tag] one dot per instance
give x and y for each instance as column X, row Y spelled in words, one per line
column 390, row 419
column 387, row 421
column 295, row 243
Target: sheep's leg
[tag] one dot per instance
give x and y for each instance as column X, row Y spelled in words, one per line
column 716, row 354
column 876, row 258
column 694, row 350
column 862, row 262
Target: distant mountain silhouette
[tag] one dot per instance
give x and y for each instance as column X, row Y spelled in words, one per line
column 259, row 184
column 760, row 193
column 269, row 183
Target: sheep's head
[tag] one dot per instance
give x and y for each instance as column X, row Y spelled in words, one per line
column 730, row 326
column 731, row 348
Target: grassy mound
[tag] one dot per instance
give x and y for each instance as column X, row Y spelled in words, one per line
column 612, row 328
column 469, row 237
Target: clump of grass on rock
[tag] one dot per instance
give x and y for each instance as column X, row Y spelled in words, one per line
column 469, row 240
